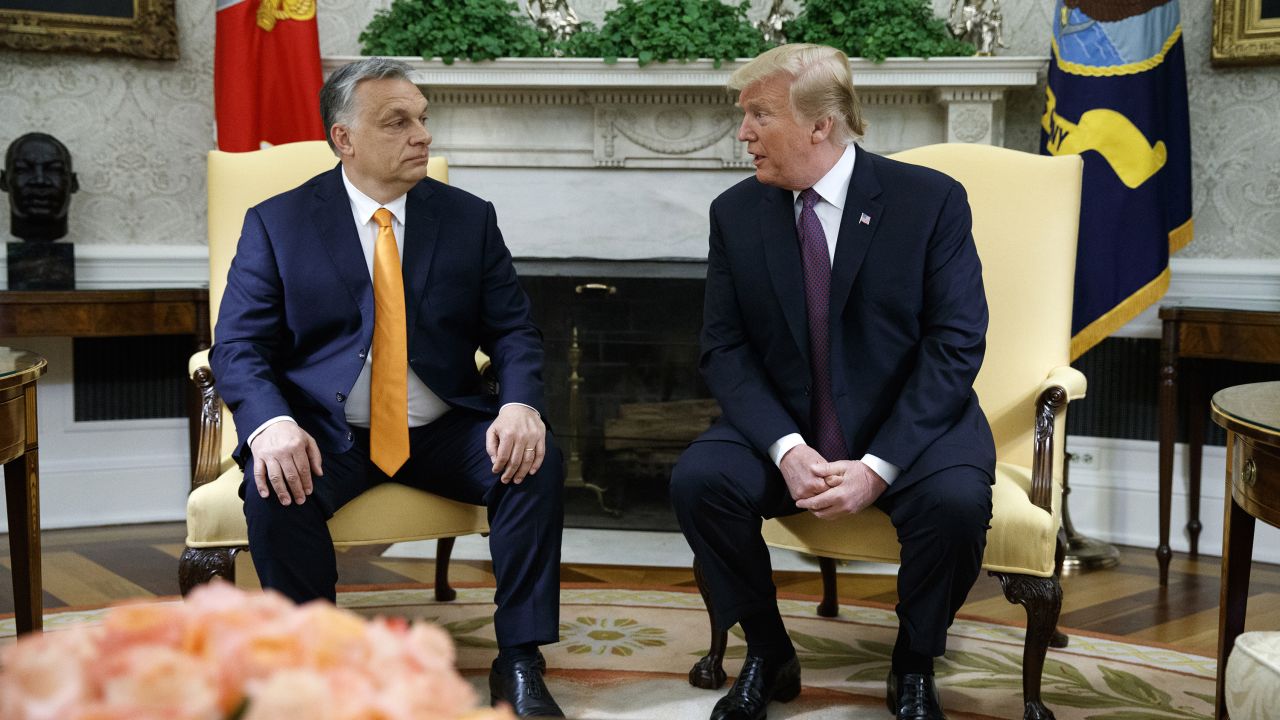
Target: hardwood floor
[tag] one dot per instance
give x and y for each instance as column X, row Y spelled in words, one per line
column 96, row 566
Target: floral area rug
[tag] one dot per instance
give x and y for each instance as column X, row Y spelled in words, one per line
column 625, row 653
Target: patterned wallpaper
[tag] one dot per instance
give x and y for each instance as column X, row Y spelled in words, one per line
column 138, row 129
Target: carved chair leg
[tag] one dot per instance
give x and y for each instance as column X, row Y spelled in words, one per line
column 1059, row 639
column 200, row 565
column 708, row 673
column 444, row 549
column 830, row 605
column 1042, row 597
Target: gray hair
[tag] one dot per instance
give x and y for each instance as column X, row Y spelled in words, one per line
column 821, row 85
column 337, row 97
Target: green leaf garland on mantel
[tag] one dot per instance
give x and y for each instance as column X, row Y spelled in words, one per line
column 656, row 31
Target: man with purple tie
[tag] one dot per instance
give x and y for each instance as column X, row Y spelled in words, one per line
column 844, row 325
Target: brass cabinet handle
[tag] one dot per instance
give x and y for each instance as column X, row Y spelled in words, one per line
column 1249, row 473
column 596, row 288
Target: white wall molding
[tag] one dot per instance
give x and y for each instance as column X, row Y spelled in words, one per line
column 1231, row 281
column 110, row 267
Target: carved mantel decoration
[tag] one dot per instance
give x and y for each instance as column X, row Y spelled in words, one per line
column 543, row 137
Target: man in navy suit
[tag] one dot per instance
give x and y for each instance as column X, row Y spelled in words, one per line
column 844, row 326
column 296, row 349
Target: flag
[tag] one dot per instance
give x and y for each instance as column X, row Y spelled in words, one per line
column 266, row 73
column 1117, row 96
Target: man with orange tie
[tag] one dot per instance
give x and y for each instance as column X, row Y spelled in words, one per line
column 345, row 350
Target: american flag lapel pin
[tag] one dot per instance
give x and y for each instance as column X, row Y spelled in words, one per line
column 865, row 219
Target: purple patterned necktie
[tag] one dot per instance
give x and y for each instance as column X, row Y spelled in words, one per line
column 817, row 298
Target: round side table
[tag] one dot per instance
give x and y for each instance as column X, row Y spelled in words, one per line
column 18, row 451
column 1251, row 416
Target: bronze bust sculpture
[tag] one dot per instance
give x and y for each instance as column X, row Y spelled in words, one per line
column 38, row 177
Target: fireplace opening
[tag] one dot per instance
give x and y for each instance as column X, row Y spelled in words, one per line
column 623, row 390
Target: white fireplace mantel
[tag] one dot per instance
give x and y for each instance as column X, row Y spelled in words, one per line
column 619, row 162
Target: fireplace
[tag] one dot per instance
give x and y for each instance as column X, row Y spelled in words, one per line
column 623, row 390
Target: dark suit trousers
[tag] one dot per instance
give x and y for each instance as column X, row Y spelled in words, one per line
column 294, row 554
column 721, row 490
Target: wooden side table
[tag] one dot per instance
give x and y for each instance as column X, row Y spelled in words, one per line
column 19, row 453
column 113, row 313
column 1251, row 416
column 1195, row 331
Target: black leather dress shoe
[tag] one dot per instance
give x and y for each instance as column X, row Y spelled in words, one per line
column 519, row 684
column 913, row 696
column 758, row 683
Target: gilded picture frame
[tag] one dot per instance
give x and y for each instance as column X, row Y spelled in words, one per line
column 140, row 28
column 1246, row 32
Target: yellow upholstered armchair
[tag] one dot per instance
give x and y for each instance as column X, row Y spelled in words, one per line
column 216, row 529
column 1025, row 215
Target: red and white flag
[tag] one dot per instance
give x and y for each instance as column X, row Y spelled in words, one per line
column 266, row 73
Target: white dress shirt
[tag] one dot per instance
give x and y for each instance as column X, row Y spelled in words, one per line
column 833, row 190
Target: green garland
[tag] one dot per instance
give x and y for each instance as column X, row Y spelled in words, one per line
column 656, row 31
column 662, row 30
column 450, row 29
column 875, row 29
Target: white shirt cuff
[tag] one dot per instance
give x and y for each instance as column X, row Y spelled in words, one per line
column 886, row 470
column 264, row 426
column 534, row 409
column 785, row 443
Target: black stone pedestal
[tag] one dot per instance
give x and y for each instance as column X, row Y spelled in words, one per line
column 42, row 266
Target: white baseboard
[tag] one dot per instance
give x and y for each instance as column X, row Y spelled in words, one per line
column 119, row 490
column 1115, row 496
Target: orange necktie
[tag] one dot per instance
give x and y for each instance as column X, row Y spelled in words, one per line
column 389, row 385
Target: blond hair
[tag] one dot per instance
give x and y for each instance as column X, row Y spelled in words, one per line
column 821, row 85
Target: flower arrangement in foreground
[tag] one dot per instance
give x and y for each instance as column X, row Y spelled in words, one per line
column 227, row 654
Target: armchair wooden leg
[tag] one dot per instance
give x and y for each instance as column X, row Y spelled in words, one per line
column 1042, row 597
column 198, row 566
column 1059, row 639
column 444, row 549
column 830, row 605
column 708, row 673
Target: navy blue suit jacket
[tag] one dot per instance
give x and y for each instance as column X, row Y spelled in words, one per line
column 908, row 320
column 296, row 319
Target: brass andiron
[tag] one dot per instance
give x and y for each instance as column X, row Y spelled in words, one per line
column 1083, row 553
column 573, row 472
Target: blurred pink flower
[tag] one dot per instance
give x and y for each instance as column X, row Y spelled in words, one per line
column 43, row 677
column 225, row 650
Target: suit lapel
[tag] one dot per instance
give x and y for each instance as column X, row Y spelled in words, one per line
column 422, row 229
column 782, row 260
column 331, row 213
column 858, row 226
